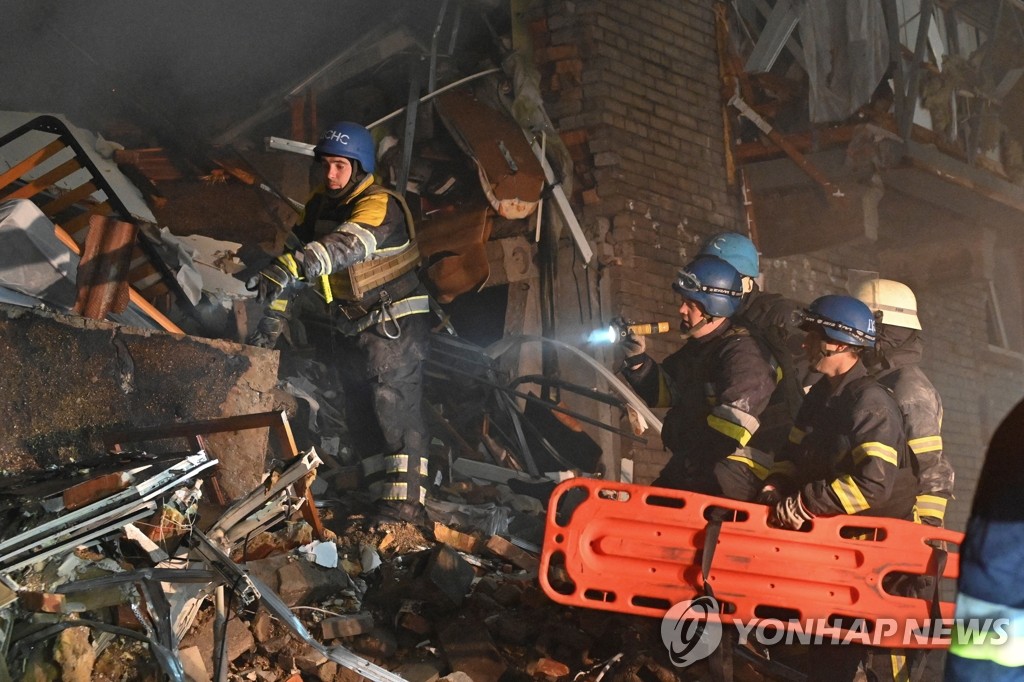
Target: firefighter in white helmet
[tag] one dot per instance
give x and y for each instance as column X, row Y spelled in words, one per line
column 895, row 362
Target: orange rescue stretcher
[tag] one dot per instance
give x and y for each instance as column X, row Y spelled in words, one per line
column 640, row 550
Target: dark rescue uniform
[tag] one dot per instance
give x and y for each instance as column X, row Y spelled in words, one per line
column 898, row 370
column 848, row 453
column 991, row 556
column 379, row 341
column 716, row 388
column 773, row 319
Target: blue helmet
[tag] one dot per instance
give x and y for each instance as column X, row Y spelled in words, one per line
column 734, row 249
column 712, row 283
column 843, row 319
column 350, row 140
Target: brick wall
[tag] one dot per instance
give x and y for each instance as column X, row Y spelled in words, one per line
column 634, row 90
column 637, row 101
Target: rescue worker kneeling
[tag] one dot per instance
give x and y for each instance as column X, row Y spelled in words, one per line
column 847, row 453
column 365, row 309
column 716, row 387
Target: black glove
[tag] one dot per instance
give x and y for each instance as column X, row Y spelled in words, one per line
column 631, row 344
column 268, row 330
column 769, row 495
column 275, row 279
column 790, row 513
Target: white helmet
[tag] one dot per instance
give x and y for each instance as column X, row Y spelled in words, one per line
column 893, row 302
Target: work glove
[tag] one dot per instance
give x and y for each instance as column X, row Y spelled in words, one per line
column 316, row 261
column 790, row 512
column 769, row 495
column 631, row 344
column 273, row 280
column 933, row 521
column 268, row 330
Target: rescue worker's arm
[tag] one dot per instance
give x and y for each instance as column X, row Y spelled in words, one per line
column 647, row 378
column 869, row 468
column 276, row 286
column 743, row 386
column 374, row 219
column 922, row 420
column 780, row 481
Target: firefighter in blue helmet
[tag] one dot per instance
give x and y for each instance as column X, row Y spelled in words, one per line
column 715, row 387
column 359, row 260
column 991, row 583
column 847, row 453
column 771, row 318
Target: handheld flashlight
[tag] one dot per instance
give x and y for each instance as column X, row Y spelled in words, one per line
column 617, row 332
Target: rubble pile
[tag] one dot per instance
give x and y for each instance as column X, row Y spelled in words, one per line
column 135, row 574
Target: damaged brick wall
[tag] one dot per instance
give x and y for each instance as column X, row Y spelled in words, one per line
column 635, row 88
column 635, row 91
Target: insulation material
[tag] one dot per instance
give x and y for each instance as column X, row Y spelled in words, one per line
column 32, row 260
column 961, row 80
column 846, row 51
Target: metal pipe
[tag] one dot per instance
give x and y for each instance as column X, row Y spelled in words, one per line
column 285, row 145
column 220, row 628
column 435, row 93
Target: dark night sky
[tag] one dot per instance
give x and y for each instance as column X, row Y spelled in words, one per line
column 193, row 67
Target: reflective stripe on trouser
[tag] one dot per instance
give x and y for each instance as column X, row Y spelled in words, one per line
column 406, row 478
column 373, row 475
column 383, row 387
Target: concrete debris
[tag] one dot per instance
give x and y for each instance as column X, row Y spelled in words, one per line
column 346, row 626
column 332, row 598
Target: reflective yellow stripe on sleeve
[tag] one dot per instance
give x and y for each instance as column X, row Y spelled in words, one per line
column 926, row 444
column 879, row 450
column 849, row 494
column 931, row 505
column 784, row 468
column 730, row 429
column 733, row 422
column 760, row 471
